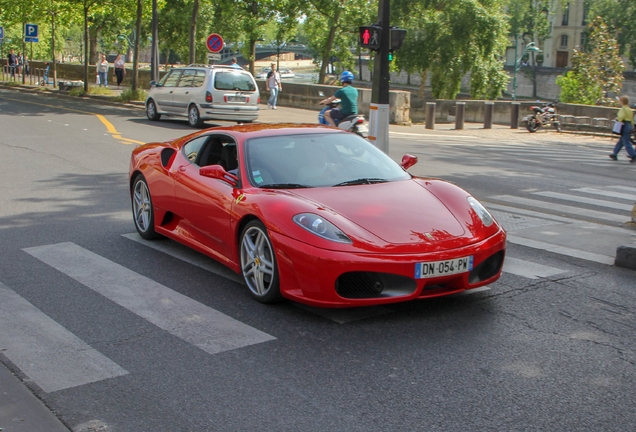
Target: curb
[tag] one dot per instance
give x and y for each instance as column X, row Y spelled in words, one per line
column 626, row 257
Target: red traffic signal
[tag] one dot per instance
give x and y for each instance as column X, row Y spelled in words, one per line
column 370, row 37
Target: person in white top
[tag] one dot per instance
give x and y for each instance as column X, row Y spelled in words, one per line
column 273, row 85
column 120, row 71
column 102, row 71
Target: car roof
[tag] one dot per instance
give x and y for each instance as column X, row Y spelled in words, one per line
column 273, row 129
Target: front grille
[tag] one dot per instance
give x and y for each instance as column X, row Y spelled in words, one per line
column 362, row 285
column 487, row 268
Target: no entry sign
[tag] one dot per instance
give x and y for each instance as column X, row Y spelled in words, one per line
column 214, row 43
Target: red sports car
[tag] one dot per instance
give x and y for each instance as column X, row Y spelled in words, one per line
column 315, row 215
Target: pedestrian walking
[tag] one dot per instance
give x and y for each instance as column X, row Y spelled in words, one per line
column 626, row 116
column 102, row 71
column 12, row 62
column 120, row 69
column 20, row 63
column 273, row 85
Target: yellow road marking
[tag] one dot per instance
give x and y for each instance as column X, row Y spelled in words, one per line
column 109, row 126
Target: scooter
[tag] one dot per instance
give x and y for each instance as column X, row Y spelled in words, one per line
column 544, row 115
column 352, row 123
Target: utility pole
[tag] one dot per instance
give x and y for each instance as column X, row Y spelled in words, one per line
column 379, row 109
column 154, row 56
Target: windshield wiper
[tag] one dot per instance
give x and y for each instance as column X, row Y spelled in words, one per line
column 361, row 181
column 284, row 186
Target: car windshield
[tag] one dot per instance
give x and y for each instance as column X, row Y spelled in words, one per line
column 318, row 160
column 234, row 80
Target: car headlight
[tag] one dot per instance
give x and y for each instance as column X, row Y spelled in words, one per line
column 481, row 211
column 320, row 227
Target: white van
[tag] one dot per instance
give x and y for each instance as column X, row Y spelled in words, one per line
column 202, row 92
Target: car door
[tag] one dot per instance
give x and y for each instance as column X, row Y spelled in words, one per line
column 163, row 95
column 182, row 93
column 205, row 204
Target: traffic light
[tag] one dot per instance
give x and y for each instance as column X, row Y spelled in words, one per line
column 397, row 37
column 390, row 55
column 370, row 37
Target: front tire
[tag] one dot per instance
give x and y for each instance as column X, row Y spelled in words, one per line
column 194, row 119
column 258, row 263
column 557, row 126
column 532, row 125
column 151, row 111
column 143, row 212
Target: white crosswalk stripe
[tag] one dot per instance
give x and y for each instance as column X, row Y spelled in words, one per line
column 531, row 228
column 200, row 325
column 53, row 357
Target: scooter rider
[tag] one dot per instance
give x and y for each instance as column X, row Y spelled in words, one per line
column 348, row 96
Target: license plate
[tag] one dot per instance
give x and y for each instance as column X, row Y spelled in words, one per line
column 236, row 99
column 443, row 268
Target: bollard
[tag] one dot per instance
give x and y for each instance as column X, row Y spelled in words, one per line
column 430, row 115
column 514, row 115
column 460, row 114
column 489, row 108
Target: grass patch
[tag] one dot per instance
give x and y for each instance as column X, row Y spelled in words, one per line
column 76, row 91
column 132, row 95
column 101, row 91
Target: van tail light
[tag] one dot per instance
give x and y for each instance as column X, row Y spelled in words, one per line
column 247, row 100
column 259, row 100
column 208, row 96
column 224, row 98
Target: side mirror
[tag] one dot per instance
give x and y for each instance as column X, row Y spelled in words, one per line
column 217, row 172
column 408, row 161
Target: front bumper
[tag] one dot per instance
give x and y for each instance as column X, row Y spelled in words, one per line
column 325, row 278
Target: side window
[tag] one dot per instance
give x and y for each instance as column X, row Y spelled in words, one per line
column 172, row 78
column 191, row 150
column 186, row 78
column 199, row 78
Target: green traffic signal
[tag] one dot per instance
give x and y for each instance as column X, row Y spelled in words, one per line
column 390, row 56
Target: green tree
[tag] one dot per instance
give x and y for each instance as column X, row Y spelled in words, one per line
column 331, row 28
column 597, row 72
column 451, row 38
column 620, row 17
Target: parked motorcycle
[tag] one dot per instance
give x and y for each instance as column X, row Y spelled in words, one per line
column 352, row 123
column 542, row 116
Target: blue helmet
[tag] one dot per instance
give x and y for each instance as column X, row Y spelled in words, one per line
column 346, row 76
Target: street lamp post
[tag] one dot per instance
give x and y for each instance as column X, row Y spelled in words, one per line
column 531, row 47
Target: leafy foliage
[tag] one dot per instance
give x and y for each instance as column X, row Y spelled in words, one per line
column 620, row 17
column 597, row 73
column 452, row 38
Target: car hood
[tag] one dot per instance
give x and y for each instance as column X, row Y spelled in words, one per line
column 402, row 212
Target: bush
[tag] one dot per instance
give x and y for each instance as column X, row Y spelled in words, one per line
column 104, row 91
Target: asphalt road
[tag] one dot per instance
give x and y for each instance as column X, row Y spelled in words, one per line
column 549, row 347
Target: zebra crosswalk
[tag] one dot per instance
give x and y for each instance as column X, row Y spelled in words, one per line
column 577, row 223
column 56, row 359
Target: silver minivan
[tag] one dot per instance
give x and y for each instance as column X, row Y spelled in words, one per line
column 201, row 92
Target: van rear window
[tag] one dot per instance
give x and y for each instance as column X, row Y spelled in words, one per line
column 231, row 80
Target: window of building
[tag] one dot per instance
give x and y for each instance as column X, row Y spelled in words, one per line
column 564, row 41
column 566, row 15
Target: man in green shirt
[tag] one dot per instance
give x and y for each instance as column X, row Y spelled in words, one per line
column 348, row 96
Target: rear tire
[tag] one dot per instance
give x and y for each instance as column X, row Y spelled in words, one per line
column 143, row 211
column 557, row 126
column 151, row 111
column 532, row 125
